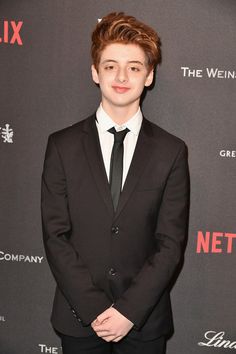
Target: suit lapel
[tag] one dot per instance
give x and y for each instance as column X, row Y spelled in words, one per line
column 142, row 154
column 95, row 160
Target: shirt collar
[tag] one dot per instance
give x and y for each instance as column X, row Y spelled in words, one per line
column 105, row 122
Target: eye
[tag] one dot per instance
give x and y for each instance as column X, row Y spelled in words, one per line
column 109, row 67
column 134, row 68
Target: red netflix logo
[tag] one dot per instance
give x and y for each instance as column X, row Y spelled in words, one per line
column 10, row 32
column 215, row 242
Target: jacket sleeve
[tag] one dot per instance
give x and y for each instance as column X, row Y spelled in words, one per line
column 71, row 274
column 139, row 299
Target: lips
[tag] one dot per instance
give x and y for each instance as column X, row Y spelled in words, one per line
column 120, row 89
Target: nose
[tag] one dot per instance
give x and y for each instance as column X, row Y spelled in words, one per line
column 121, row 75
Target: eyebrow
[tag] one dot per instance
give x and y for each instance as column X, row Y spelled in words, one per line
column 115, row 61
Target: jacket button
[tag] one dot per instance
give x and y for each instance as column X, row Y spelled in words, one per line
column 115, row 230
column 112, row 271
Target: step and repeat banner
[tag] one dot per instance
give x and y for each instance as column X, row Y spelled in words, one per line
column 46, row 85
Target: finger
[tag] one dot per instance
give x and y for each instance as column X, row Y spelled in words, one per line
column 98, row 323
column 103, row 317
column 102, row 328
column 117, row 339
column 105, row 334
column 94, row 323
column 93, row 326
column 108, row 338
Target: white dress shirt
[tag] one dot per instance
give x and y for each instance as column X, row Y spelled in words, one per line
column 104, row 123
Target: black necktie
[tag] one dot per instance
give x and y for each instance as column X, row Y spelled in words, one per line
column 116, row 165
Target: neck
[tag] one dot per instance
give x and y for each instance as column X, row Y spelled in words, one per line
column 120, row 115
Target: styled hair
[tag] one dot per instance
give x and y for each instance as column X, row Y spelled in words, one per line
column 117, row 27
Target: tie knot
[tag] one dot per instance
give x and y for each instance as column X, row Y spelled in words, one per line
column 118, row 136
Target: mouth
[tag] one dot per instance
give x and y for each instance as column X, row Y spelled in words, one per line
column 120, row 89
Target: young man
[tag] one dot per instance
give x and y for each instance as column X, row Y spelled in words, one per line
column 115, row 191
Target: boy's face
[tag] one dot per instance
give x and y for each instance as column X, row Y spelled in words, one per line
column 122, row 74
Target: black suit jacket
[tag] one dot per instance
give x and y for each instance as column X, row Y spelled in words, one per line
column 100, row 257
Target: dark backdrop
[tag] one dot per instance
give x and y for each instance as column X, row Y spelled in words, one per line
column 46, row 85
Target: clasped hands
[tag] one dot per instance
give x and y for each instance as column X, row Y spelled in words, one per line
column 111, row 325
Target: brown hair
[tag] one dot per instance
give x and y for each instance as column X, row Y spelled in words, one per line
column 117, row 27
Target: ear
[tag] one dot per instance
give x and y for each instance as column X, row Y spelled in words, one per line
column 94, row 74
column 149, row 78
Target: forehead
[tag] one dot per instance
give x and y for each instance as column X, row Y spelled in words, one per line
column 123, row 53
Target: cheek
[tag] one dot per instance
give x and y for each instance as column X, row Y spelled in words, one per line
column 139, row 84
column 106, row 80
